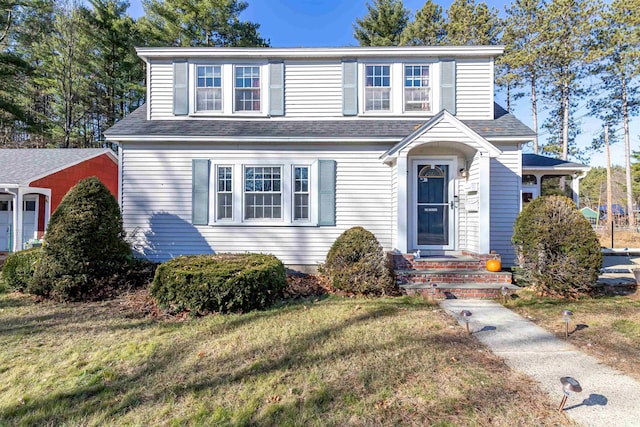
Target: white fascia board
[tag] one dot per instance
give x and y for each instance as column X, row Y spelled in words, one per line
column 315, row 52
column 137, row 138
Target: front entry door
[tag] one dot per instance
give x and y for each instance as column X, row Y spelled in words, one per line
column 434, row 205
column 6, row 222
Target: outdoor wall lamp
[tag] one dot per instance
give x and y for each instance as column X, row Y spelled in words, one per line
column 568, row 385
column 566, row 317
column 466, row 314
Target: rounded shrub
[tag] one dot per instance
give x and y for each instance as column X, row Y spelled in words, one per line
column 356, row 263
column 219, row 283
column 18, row 268
column 85, row 253
column 557, row 250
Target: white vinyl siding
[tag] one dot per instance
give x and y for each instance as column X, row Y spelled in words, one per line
column 394, row 205
column 474, row 89
column 313, row 89
column 160, row 88
column 156, row 202
column 505, row 200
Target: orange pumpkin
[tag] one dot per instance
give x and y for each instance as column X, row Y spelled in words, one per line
column 494, row 265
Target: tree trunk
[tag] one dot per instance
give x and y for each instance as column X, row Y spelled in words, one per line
column 627, row 152
column 565, row 120
column 609, row 181
column 534, row 112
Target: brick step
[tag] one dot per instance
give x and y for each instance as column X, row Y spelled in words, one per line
column 459, row 290
column 446, row 276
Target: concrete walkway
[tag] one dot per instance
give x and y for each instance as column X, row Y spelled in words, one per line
column 608, row 397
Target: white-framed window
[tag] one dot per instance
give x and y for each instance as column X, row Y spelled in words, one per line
column 247, row 88
column 208, row 88
column 301, row 193
column 417, row 90
column 377, row 92
column 224, row 193
column 262, row 192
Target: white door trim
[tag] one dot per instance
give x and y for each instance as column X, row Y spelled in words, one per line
column 452, row 162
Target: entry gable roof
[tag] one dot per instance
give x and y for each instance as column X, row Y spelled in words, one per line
column 443, row 117
column 20, row 166
column 538, row 162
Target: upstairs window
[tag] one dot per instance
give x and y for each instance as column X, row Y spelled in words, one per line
column 417, row 93
column 209, row 88
column 377, row 94
column 247, row 88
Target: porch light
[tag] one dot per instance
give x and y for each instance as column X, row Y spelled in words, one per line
column 566, row 317
column 569, row 385
column 466, row 314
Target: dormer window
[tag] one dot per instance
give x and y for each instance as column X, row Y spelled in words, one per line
column 377, row 94
column 209, row 88
column 417, row 93
column 247, row 88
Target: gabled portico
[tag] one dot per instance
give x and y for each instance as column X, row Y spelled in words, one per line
column 442, row 192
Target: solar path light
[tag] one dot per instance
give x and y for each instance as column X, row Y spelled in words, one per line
column 504, row 291
column 566, row 317
column 569, row 385
column 466, row 314
column 432, row 287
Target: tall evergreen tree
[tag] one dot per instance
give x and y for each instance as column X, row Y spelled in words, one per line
column 198, row 23
column 472, row 24
column 519, row 67
column 427, row 29
column 618, row 52
column 566, row 48
column 383, row 24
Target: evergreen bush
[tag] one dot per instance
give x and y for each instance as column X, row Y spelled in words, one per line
column 356, row 263
column 557, row 250
column 219, row 283
column 85, row 254
column 18, row 268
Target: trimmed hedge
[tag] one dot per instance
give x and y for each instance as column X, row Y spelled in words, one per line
column 356, row 263
column 85, row 255
column 19, row 267
column 557, row 250
column 219, row 283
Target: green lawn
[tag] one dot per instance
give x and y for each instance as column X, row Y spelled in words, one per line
column 608, row 327
column 335, row 361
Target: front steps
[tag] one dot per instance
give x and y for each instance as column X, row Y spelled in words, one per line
column 459, row 276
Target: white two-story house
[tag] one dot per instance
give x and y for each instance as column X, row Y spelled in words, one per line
column 281, row 150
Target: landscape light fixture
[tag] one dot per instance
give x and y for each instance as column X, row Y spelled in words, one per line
column 505, row 293
column 466, row 314
column 566, row 317
column 569, row 385
column 433, row 286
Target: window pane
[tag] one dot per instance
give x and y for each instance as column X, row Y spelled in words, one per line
column 224, row 207
column 378, row 88
column 262, row 193
column 301, row 193
column 417, row 93
column 247, row 89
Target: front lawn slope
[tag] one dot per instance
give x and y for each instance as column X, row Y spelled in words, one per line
column 330, row 362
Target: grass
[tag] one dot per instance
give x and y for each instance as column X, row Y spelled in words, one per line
column 621, row 238
column 333, row 361
column 607, row 327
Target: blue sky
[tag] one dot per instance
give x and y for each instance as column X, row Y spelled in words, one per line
column 326, row 23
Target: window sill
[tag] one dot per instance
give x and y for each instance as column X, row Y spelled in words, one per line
column 263, row 224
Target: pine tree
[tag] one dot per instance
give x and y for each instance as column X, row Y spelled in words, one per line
column 618, row 52
column 471, row 24
column 198, row 23
column 519, row 68
column 427, row 29
column 383, row 24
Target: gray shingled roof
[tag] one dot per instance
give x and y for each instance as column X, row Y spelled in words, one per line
column 537, row 161
column 23, row 165
column 136, row 124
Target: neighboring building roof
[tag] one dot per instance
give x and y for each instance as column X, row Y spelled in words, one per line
column 589, row 213
column 23, row 165
column 536, row 161
column 136, row 126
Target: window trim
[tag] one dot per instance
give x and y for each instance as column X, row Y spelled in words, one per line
column 196, row 87
column 286, row 185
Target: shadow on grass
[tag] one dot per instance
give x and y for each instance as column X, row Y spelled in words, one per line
column 12, row 300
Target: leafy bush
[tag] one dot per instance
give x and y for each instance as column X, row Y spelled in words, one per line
column 556, row 248
column 18, row 268
column 85, row 254
column 356, row 263
column 219, row 283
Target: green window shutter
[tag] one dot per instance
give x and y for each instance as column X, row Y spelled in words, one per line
column 276, row 89
column 448, row 85
column 200, row 192
column 327, row 192
column 349, row 88
column 180, row 88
